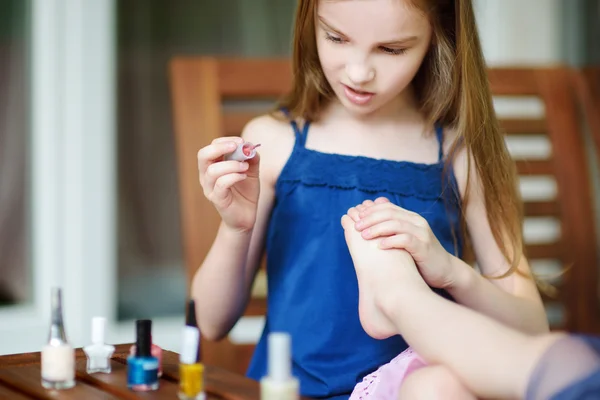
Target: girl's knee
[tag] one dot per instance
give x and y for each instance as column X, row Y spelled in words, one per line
column 433, row 383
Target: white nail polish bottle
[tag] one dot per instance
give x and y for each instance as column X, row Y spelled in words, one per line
column 98, row 353
column 58, row 356
column 279, row 384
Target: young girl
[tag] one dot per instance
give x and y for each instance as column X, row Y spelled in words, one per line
column 473, row 352
column 390, row 99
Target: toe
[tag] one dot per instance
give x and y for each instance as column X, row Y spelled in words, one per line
column 347, row 222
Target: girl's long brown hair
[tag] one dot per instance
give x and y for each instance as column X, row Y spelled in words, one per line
column 452, row 88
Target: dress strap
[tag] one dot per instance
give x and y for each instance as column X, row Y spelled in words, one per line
column 439, row 133
column 300, row 133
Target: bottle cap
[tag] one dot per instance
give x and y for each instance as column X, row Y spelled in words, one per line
column 57, row 333
column 190, row 340
column 190, row 319
column 143, row 342
column 279, row 356
column 249, row 149
column 244, row 151
column 98, row 329
column 56, row 306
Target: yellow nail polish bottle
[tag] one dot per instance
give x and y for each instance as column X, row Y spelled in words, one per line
column 191, row 370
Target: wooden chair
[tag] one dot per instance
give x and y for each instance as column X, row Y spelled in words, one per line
column 575, row 247
column 211, row 99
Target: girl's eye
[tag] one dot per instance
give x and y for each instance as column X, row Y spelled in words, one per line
column 334, row 39
column 394, row 52
column 387, row 50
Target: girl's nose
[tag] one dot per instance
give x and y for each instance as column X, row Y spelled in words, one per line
column 359, row 73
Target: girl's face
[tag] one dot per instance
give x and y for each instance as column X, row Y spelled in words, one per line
column 370, row 50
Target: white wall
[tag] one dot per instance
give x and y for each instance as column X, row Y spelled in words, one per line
column 520, row 31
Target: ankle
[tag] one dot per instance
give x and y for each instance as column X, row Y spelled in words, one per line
column 394, row 304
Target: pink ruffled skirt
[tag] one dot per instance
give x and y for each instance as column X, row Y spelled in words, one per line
column 384, row 384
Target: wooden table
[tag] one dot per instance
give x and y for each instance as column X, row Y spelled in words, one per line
column 20, row 380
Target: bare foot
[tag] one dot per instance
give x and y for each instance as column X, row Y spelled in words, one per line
column 379, row 272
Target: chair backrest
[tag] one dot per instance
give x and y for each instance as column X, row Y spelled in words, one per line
column 214, row 97
column 559, row 227
column 211, row 98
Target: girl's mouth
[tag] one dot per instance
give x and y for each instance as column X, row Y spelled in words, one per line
column 358, row 97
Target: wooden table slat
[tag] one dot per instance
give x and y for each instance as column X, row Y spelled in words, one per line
column 8, row 393
column 27, row 380
column 116, row 383
column 220, row 382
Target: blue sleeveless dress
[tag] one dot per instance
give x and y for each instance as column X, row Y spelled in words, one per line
column 312, row 285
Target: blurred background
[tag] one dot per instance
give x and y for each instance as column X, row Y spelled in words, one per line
column 88, row 178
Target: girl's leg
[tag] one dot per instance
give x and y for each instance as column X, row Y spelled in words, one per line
column 434, row 383
column 492, row 360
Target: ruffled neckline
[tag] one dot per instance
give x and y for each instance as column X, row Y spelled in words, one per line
column 405, row 178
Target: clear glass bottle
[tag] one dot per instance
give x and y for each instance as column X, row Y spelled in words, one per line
column 58, row 356
column 98, row 353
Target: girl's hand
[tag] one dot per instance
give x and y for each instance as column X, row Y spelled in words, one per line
column 402, row 229
column 232, row 186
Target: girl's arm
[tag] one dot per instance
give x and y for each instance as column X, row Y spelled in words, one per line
column 222, row 285
column 513, row 300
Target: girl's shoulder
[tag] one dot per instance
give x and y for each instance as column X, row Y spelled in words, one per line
column 275, row 135
column 460, row 164
column 269, row 126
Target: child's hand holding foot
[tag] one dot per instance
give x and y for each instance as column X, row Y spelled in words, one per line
column 379, row 272
column 397, row 228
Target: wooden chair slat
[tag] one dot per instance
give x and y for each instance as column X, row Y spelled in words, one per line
column 544, row 251
column 254, row 78
column 521, row 126
column 513, row 81
column 587, row 85
column 234, row 122
column 535, row 167
column 541, row 208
